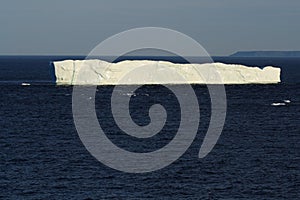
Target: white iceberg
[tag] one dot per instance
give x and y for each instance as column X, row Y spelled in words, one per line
column 140, row 72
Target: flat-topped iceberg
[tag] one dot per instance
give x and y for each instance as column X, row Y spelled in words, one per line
column 99, row 72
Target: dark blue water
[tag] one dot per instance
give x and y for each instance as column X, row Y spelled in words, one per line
column 42, row 157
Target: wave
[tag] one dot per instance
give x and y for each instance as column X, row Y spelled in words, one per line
column 27, row 82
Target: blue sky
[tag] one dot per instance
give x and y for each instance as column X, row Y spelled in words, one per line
column 74, row 27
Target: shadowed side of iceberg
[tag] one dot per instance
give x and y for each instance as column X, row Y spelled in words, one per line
column 99, row 72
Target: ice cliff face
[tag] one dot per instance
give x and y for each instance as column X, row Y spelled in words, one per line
column 99, row 72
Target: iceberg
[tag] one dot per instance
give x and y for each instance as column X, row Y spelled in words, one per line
column 100, row 72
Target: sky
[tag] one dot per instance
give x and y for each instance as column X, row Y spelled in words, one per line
column 75, row 27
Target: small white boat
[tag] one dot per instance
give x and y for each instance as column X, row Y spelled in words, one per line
column 25, row 84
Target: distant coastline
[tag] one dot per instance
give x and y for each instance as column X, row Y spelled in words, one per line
column 266, row 54
column 258, row 54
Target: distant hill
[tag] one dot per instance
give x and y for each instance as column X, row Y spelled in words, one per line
column 266, row 54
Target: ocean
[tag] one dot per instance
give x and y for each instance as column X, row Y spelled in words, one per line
column 42, row 157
